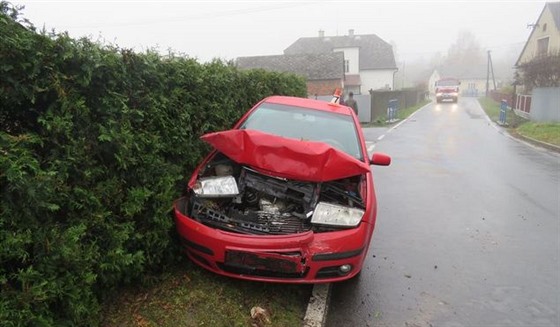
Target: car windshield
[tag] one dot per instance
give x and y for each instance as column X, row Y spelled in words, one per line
column 448, row 82
column 334, row 129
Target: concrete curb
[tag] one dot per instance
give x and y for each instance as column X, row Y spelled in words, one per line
column 518, row 137
column 545, row 145
column 316, row 314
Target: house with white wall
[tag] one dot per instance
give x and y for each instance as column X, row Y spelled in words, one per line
column 473, row 79
column 369, row 62
column 544, row 39
column 540, row 101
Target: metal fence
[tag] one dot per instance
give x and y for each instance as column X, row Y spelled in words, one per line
column 374, row 106
column 523, row 105
column 545, row 104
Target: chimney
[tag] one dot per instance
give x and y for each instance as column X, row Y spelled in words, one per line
column 321, row 33
column 351, row 32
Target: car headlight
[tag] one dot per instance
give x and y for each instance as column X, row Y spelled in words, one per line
column 332, row 214
column 222, row 186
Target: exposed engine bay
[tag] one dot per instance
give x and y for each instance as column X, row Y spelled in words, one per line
column 236, row 198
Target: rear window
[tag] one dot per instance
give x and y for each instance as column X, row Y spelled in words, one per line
column 306, row 124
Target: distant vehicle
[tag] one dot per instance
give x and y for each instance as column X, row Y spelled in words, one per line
column 287, row 195
column 447, row 89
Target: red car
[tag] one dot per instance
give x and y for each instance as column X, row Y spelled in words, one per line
column 285, row 196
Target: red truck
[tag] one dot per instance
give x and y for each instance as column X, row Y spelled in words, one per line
column 447, row 89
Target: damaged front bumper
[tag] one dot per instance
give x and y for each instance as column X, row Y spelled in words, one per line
column 306, row 257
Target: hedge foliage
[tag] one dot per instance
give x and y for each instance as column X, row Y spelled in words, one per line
column 95, row 143
column 540, row 71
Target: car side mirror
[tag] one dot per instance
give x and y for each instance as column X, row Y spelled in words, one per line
column 380, row 159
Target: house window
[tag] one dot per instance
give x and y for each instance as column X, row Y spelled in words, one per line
column 346, row 66
column 544, row 28
column 542, row 46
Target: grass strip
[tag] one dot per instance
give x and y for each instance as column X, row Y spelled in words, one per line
column 191, row 296
column 404, row 113
column 543, row 132
column 401, row 114
column 492, row 109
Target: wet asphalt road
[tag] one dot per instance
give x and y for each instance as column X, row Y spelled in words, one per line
column 467, row 229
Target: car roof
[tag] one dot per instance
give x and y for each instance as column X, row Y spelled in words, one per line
column 309, row 103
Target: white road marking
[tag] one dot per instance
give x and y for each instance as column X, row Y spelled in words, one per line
column 407, row 118
column 316, row 313
column 371, row 147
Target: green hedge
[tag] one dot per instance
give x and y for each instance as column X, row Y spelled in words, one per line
column 95, row 143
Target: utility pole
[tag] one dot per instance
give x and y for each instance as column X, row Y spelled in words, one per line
column 490, row 70
column 487, row 72
column 403, row 74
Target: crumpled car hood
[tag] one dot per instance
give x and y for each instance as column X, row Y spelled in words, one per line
column 286, row 157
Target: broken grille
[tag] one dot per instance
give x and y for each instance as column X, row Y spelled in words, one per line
column 258, row 222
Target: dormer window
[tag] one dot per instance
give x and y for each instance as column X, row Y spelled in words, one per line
column 542, row 46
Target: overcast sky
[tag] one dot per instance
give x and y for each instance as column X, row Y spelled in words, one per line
column 229, row 29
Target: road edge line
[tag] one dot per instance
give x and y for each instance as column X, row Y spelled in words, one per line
column 316, row 313
column 410, row 116
column 317, row 308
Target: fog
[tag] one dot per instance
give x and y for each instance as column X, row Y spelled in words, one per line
column 421, row 32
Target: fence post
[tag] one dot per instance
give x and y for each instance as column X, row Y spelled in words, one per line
column 503, row 108
column 392, row 110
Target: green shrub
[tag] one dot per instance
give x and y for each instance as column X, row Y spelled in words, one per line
column 95, row 143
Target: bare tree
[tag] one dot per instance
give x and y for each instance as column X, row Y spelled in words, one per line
column 465, row 52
